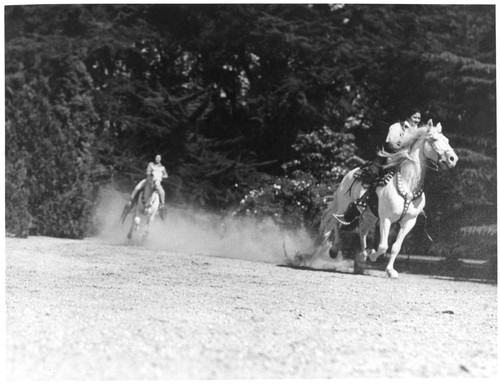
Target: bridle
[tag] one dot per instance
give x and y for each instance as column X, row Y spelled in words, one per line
column 441, row 157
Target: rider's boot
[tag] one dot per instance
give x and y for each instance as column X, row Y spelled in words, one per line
column 351, row 218
column 161, row 210
column 352, row 215
column 353, row 212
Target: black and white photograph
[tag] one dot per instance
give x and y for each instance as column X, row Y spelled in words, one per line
column 249, row 191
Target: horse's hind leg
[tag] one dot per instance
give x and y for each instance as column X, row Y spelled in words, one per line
column 340, row 203
column 367, row 222
column 335, row 251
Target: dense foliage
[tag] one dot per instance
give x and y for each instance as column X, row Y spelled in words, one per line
column 256, row 109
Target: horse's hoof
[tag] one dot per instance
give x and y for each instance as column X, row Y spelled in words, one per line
column 332, row 253
column 359, row 263
column 359, row 267
column 392, row 273
column 358, row 270
column 373, row 256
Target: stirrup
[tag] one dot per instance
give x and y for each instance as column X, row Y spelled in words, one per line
column 350, row 219
column 340, row 219
column 350, row 226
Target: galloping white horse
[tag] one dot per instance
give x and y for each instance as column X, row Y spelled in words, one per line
column 146, row 208
column 401, row 199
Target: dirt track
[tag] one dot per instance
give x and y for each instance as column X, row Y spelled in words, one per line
column 93, row 311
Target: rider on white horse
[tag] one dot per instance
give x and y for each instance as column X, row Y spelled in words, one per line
column 153, row 166
column 374, row 170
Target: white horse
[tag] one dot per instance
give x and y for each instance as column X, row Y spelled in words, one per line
column 145, row 209
column 401, row 199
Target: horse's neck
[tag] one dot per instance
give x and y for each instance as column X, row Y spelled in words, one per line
column 413, row 171
column 148, row 189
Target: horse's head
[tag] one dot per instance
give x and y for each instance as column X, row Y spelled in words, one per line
column 437, row 148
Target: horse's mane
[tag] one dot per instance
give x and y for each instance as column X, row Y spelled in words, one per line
column 408, row 142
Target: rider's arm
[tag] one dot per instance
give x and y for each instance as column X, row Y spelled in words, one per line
column 165, row 174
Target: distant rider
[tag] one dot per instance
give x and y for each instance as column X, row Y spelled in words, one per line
column 153, row 166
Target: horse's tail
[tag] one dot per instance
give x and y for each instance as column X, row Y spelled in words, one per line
column 126, row 210
column 325, row 219
column 328, row 216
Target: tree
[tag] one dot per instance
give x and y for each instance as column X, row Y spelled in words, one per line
column 50, row 123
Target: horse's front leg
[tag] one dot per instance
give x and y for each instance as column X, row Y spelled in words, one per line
column 134, row 226
column 146, row 231
column 385, row 228
column 406, row 227
column 149, row 221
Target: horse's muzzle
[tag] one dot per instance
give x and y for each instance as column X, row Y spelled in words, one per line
column 449, row 160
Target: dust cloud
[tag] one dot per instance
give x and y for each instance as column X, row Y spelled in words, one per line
column 195, row 232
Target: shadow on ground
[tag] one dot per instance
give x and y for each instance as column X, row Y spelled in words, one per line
column 458, row 270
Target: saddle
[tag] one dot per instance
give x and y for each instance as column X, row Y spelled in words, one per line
column 373, row 174
column 372, row 177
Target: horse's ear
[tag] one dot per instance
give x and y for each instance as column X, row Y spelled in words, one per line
column 439, row 127
column 430, row 124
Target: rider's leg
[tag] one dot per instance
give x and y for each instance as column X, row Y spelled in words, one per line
column 370, row 174
column 161, row 192
column 355, row 209
column 374, row 170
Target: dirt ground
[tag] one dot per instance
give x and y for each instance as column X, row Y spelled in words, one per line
column 90, row 310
